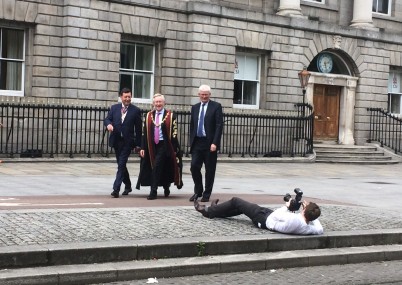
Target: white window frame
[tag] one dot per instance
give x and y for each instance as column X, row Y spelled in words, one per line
column 19, row 93
column 134, row 71
column 380, row 13
column 257, row 80
column 316, row 1
column 395, row 89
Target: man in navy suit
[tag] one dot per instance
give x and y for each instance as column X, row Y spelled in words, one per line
column 122, row 121
column 206, row 126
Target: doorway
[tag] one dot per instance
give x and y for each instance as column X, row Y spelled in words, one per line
column 326, row 100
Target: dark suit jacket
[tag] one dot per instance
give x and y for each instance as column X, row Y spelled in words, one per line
column 213, row 123
column 130, row 130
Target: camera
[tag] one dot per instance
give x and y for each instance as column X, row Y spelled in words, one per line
column 295, row 203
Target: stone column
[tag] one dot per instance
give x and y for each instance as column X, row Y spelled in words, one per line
column 347, row 130
column 290, row 8
column 363, row 15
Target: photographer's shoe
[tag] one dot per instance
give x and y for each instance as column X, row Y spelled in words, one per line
column 201, row 208
column 214, row 202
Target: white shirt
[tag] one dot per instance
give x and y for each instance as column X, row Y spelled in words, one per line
column 284, row 221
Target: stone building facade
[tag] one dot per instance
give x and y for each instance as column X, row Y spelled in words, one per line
column 249, row 51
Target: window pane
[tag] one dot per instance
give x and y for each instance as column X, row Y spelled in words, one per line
column 383, row 6
column 144, row 58
column 250, row 93
column 251, row 70
column 237, row 98
column 127, row 56
column 240, row 64
column 142, row 86
column 394, row 83
column 10, row 75
column 395, row 103
column 126, row 81
column 12, row 44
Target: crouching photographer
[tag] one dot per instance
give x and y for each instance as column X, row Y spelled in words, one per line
column 284, row 220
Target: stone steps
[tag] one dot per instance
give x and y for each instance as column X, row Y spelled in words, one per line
column 331, row 153
column 90, row 263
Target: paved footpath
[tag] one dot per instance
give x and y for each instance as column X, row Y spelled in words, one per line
column 53, row 203
column 45, row 203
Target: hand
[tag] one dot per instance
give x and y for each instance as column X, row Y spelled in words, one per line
column 110, row 128
column 142, row 153
column 213, row 148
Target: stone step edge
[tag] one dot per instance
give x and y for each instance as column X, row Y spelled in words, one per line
column 100, row 252
column 188, row 266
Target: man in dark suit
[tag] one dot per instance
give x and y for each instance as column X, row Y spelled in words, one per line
column 122, row 121
column 206, row 126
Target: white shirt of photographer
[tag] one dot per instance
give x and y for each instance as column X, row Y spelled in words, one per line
column 283, row 221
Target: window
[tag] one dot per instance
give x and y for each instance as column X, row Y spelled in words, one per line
column 382, row 6
column 12, row 61
column 137, row 69
column 247, row 80
column 394, row 92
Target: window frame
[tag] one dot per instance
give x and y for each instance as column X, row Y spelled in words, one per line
column 380, row 13
column 7, row 92
column 392, row 92
column 133, row 72
column 258, row 81
column 315, row 1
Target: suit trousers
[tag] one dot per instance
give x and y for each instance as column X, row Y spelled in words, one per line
column 122, row 151
column 200, row 155
column 236, row 206
column 160, row 162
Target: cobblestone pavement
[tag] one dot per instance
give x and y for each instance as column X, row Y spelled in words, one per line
column 31, row 227
column 364, row 273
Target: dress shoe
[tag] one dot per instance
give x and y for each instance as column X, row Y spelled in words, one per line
column 126, row 191
column 115, row 194
column 204, row 199
column 151, row 197
column 201, row 209
column 194, row 197
column 167, row 192
column 214, row 202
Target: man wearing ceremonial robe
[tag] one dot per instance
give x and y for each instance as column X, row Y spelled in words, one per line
column 161, row 158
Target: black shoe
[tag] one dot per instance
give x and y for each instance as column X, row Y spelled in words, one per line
column 167, row 192
column 126, row 191
column 115, row 194
column 214, row 202
column 194, row 197
column 201, row 209
column 151, row 197
column 204, row 199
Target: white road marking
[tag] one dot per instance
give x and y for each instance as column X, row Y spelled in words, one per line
column 37, row 204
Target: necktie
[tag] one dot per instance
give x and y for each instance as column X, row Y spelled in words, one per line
column 123, row 113
column 201, row 122
column 156, row 130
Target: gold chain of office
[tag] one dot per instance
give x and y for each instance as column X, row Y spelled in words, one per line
column 164, row 119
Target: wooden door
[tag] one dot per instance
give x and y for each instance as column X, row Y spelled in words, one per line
column 326, row 111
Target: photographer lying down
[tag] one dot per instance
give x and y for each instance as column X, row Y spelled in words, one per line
column 283, row 220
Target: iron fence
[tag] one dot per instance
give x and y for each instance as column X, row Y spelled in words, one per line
column 386, row 129
column 37, row 130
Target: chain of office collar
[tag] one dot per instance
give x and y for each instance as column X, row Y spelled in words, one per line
column 164, row 119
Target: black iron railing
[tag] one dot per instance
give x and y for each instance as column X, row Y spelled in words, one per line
column 36, row 130
column 386, row 129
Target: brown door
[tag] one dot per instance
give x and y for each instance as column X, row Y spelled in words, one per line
column 326, row 111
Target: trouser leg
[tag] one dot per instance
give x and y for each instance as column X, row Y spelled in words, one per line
column 237, row 206
column 210, row 169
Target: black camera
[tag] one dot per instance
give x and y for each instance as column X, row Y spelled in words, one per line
column 296, row 202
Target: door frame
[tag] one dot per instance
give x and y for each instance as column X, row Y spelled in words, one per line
column 346, row 105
